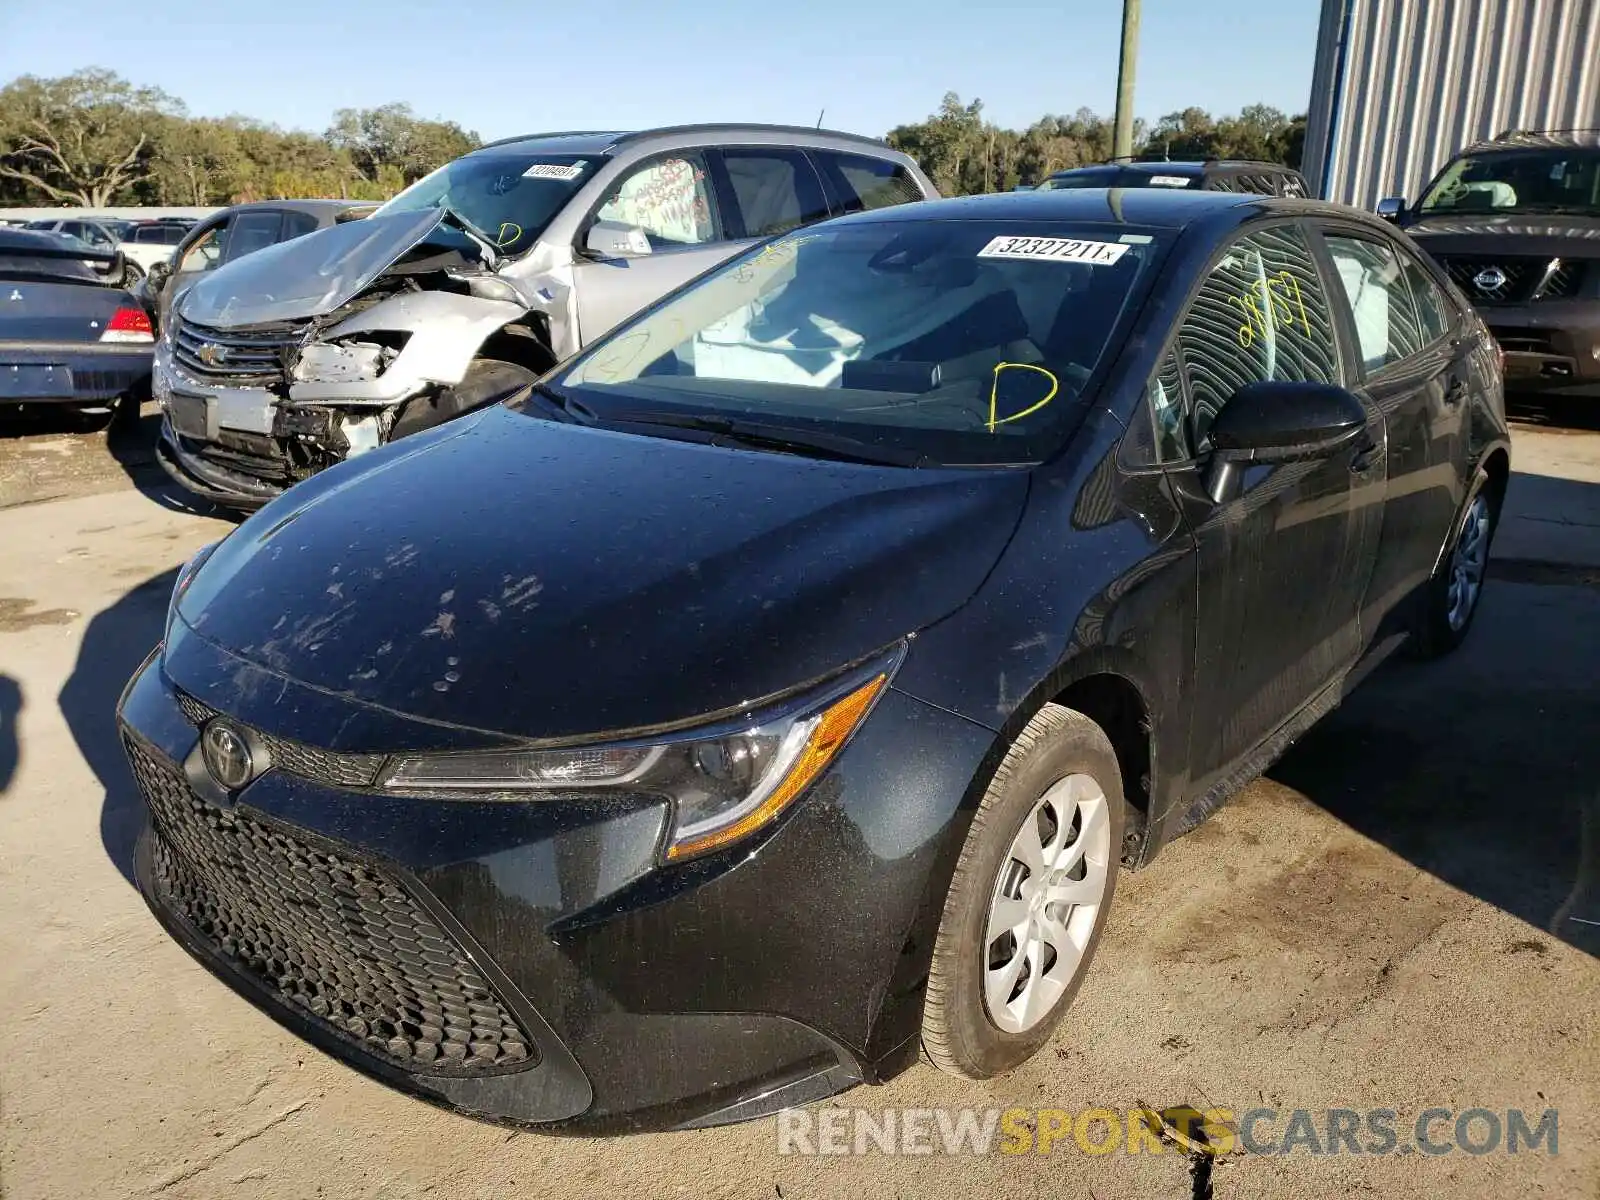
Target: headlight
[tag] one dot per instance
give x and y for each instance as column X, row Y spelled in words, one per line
column 723, row 784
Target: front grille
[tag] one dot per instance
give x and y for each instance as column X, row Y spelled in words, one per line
column 309, row 762
column 1564, row 282
column 1520, row 279
column 1524, row 341
column 235, row 356
column 342, row 941
column 1474, row 276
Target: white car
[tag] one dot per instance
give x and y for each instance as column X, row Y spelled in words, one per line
column 150, row 242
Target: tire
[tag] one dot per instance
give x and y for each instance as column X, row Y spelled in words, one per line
column 1059, row 763
column 486, row 381
column 1446, row 613
column 84, row 421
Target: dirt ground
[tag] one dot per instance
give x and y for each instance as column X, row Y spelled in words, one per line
column 1404, row 914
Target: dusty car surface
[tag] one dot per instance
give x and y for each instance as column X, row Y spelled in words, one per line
column 770, row 693
column 474, row 281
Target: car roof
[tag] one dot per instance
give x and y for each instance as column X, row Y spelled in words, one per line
column 313, row 207
column 598, row 143
column 1157, row 207
column 1537, row 139
column 1193, row 168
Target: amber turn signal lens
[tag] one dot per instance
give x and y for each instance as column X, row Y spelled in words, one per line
column 833, row 728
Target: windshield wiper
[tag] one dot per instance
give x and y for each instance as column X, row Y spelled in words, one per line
column 563, row 406
column 761, row 436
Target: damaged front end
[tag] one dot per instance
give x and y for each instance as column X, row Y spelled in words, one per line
column 306, row 354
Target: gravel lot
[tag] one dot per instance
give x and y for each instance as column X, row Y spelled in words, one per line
column 1404, row 914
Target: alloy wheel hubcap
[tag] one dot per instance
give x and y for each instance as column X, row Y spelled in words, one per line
column 1467, row 563
column 1045, row 902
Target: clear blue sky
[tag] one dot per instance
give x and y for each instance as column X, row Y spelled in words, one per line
column 501, row 67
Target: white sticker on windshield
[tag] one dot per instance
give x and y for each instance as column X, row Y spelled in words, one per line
column 1100, row 254
column 1169, row 181
column 553, row 171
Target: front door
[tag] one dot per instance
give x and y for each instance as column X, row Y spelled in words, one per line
column 1284, row 563
column 672, row 200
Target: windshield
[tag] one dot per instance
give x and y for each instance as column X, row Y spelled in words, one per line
column 961, row 342
column 1560, row 180
column 508, row 199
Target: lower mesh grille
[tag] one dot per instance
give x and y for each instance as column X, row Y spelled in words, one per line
column 341, row 940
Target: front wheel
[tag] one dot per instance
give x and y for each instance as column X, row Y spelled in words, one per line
column 487, row 381
column 1029, row 898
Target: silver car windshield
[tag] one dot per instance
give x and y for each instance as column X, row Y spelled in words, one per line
column 506, row 199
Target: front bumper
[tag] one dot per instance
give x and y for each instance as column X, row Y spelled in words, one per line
column 212, row 481
column 83, row 374
column 1552, row 348
column 398, row 934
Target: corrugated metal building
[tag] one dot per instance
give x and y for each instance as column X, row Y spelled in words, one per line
column 1401, row 85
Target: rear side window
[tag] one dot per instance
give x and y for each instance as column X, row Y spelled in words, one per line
column 1387, row 328
column 252, row 232
column 776, row 190
column 1259, row 315
column 1434, row 312
column 863, row 183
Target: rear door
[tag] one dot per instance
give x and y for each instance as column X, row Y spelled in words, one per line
column 672, row 199
column 1283, row 565
column 859, row 182
column 1405, row 369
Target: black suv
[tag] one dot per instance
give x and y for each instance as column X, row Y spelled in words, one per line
column 1207, row 175
column 1515, row 221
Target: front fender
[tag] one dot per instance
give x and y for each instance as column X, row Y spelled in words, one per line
column 445, row 332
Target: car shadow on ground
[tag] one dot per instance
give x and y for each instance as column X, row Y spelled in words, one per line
column 1483, row 768
column 114, row 644
column 1555, row 412
column 10, row 741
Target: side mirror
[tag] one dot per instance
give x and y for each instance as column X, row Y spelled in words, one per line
column 616, row 239
column 158, row 274
column 1392, row 208
column 1277, row 423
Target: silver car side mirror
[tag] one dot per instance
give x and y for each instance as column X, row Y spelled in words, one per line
column 616, row 239
column 1392, row 208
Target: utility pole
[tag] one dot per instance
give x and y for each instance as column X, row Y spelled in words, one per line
column 1122, row 130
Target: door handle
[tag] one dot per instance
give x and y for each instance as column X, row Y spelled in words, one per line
column 1367, row 453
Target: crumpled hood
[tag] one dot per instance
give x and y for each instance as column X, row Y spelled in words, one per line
column 516, row 575
column 1556, row 235
column 307, row 276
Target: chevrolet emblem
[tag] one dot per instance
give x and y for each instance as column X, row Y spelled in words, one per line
column 212, row 354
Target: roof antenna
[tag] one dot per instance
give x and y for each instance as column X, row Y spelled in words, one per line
column 820, row 116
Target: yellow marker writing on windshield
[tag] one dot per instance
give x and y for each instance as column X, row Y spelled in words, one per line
column 504, row 238
column 994, row 392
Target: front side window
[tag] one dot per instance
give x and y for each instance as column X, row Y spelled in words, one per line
column 962, row 341
column 1259, row 315
column 1525, row 180
column 1387, row 327
column 668, row 198
column 506, row 198
column 776, row 190
column 205, row 253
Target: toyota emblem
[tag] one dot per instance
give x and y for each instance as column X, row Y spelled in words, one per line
column 212, row 354
column 1490, row 279
column 227, row 755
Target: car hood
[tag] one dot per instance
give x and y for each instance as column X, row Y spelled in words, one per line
column 1556, row 235
column 516, row 575
column 307, row 276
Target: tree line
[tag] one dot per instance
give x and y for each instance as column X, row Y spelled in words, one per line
column 95, row 139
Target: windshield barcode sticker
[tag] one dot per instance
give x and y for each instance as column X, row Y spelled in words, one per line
column 1169, row 181
column 1056, row 249
column 553, row 171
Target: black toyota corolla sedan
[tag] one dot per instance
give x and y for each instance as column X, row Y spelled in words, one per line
column 774, row 691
